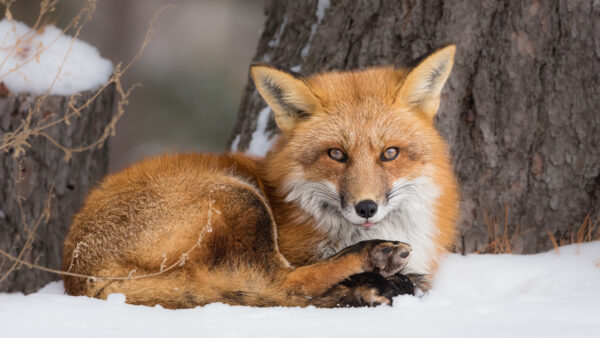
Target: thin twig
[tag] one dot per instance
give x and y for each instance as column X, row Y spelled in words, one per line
column 18, row 138
column 180, row 262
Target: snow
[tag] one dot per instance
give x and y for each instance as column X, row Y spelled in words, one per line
column 236, row 142
column 321, row 8
column 296, row 68
column 266, row 58
column 544, row 295
column 30, row 61
column 261, row 143
column 116, row 298
column 275, row 41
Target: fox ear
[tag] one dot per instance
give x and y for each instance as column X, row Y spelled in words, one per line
column 286, row 93
column 422, row 86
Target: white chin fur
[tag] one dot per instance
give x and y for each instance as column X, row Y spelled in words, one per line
column 407, row 217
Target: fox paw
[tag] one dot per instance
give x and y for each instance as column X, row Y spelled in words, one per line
column 367, row 289
column 404, row 284
column 387, row 257
column 421, row 282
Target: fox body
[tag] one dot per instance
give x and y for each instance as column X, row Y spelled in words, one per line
column 358, row 182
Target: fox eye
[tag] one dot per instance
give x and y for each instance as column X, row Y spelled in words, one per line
column 337, row 155
column 389, row 154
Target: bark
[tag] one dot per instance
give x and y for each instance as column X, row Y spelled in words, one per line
column 520, row 110
column 43, row 168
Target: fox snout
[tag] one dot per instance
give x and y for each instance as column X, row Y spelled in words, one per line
column 366, row 212
column 366, row 208
column 365, row 195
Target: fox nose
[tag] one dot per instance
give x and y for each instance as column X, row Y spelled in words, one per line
column 366, row 208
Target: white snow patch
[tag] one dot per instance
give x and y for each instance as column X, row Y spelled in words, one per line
column 275, row 42
column 261, row 143
column 24, row 70
column 116, row 298
column 321, row 8
column 235, row 143
column 545, row 295
column 296, row 68
column 266, row 58
column 52, row 288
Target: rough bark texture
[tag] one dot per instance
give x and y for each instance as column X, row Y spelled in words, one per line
column 520, row 109
column 43, row 167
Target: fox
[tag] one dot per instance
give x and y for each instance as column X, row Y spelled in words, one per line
column 355, row 203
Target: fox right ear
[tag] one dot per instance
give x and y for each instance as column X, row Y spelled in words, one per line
column 286, row 93
column 423, row 84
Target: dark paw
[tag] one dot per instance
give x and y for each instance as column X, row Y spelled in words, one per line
column 366, row 289
column 404, row 285
column 420, row 282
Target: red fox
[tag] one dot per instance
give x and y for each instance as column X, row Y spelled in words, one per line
column 357, row 188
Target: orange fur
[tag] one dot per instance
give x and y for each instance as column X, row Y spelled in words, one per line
column 247, row 219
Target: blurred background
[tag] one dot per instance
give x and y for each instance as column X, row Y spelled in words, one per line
column 192, row 73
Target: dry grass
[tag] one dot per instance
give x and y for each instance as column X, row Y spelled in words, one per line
column 501, row 238
column 588, row 231
column 17, row 140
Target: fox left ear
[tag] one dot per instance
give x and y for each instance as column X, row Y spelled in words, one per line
column 286, row 93
column 422, row 86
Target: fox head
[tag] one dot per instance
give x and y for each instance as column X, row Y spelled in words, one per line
column 358, row 148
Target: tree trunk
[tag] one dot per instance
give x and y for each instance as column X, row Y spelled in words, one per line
column 44, row 171
column 520, row 110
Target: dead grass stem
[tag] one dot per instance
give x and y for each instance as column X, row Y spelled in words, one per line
column 501, row 238
column 18, row 139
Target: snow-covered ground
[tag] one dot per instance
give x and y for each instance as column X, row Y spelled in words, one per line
column 544, row 295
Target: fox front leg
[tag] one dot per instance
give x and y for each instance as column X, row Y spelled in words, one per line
column 376, row 256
